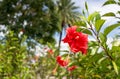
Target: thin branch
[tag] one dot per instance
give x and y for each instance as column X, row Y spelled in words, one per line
column 98, row 40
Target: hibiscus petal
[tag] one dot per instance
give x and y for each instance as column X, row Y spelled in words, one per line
column 77, row 41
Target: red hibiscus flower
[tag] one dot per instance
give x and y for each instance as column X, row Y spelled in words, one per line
column 50, row 51
column 77, row 40
column 61, row 62
column 71, row 68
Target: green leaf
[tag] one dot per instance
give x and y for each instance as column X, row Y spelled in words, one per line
column 83, row 18
column 92, row 16
column 83, row 12
column 110, row 28
column 97, row 17
column 12, row 48
column 78, row 29
column 93, row 44
column 102, row 37
column 94, row 50
column 80, row 23
column 109, row 2
column 87, row 31
column 99, row 24
column 115, row 67
column 96, row 57
column 101, row 59
column 86, row 6
column 110, row 14
column 23, row 39
column 115, row 49
column 118, row 12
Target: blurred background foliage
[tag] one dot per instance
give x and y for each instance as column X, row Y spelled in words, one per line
column 38, row 19
column 28, row 31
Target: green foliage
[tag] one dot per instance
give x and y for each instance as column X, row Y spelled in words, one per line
column 110, row 28
column 94, row 16
column 38, row 19
column 43, row 19
column 110, row 14
column 109, row 2
column 115, row 67
column 80, row 23
column 67, row 11
column 87, row 31
column 68, row 15
column 86, row 6
column 99, row 24
column 13, row 58
column 101, row 60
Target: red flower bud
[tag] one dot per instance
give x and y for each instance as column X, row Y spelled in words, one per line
column 50, row 51
column 71, row 68
column 61, row 62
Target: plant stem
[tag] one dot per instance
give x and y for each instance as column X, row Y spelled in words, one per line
column 98, row 40
column 60, row 41
column 62, row 26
